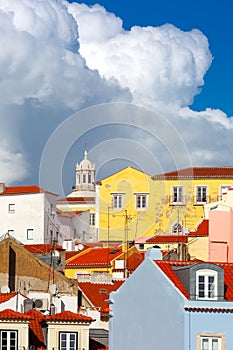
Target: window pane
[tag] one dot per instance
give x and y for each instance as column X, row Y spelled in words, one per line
column 211, row 287
column 214, row 344
column 205, row 344
column 201, row 286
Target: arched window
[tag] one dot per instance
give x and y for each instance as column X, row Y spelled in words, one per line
column 177, row 228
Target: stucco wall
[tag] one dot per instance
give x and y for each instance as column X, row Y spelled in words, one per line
column 147, row 312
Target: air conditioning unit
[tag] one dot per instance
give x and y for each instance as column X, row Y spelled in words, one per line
column 41, row 304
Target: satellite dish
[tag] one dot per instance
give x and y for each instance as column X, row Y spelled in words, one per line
column 5, row 289
column 53, row 289
column 80, row 246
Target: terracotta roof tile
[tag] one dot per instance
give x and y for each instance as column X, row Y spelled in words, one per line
column 35, row 326
column 94, row 257
column 98, row 293
column 14, row 190
column 134, row 260
column 197, row 172
column 6, row 296
column 208, row 309
column 168, row 239
column 202, row 229
column 77, row 199
column 68, row 316
column 42, row 248
column 8, row 314
column 166, row 267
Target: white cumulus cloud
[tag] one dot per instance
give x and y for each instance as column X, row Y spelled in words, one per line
column 161, row 64
column 57, row 58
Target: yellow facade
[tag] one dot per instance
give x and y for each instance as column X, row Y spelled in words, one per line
column 163, row 213
column 126, row 206
column 188, row 213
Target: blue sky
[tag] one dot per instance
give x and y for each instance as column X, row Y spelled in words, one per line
column 111, row 65
column 213, row 18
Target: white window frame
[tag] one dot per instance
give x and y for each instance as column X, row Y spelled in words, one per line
column 9, row 333
column 213, row 288
column 11, row 208
column 222, row 189
column 177, row 228
column 30, row 234
column 68, row 341
column 142, row 204
column 117, row 201
column 202, row 201
column 210, row 337
column 92, row 219
column 179, row 195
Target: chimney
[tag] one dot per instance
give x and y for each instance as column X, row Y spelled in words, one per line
column 154, row 253
column 2, row 187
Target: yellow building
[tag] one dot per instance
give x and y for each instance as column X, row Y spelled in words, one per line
column 132, row 204
column 181, row 196
column 125, row 206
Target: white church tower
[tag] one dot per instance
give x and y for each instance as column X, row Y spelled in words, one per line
column 85, row 179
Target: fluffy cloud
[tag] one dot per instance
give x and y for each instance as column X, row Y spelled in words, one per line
column 53, row 63
column 40, row 66
column 164, row 68
column 159, row 64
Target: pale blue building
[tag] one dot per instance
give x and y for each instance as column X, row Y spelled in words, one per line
column 173, row 305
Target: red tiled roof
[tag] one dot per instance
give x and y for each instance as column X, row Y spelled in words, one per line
column 168, row 239
column 166, row 267
column 77, row 199
column 208, row 309
column 94, row 257
column 202, row 229
column 98, row 293
column 14, row 190
column 6, row 296
column 42, row 248
column 8, row 314
column 197, row 172
column 69, row 214
column 135, row 260
column 68, row 316
column 35, row 326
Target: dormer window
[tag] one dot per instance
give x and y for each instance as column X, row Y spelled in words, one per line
column 203, row 281
column 206, row 284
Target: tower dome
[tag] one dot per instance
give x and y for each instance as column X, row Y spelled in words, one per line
column 85, row 178
column 85, row 163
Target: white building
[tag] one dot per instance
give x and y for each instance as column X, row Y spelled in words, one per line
column 83, row 196
column 28, row 213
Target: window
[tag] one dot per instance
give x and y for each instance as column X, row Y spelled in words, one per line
column 177, row 228
column 141, row 201
column 30, row 232
column 84, row 178
column 68, row 341
column 223, row 189
column 92, row 219
column 201, row 194
column 89, row 178
column 206, row 284
column 8, row 340
column 117, row 201
column 11, row 208
column 177, row 195
column 210, row 341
